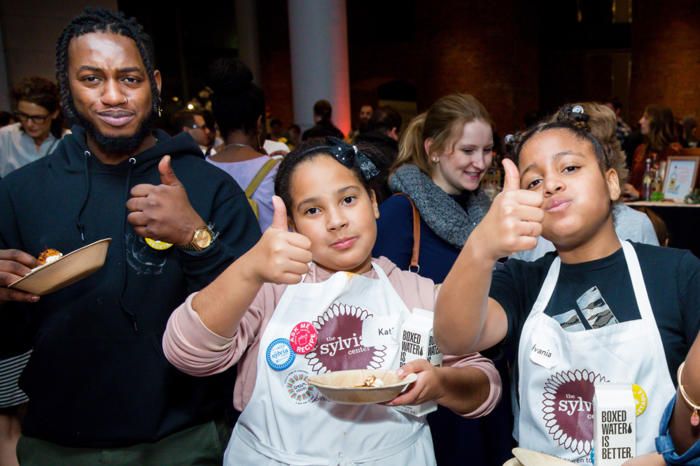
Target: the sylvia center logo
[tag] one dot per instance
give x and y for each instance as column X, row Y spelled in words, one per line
column 340, row 345
column 567, row 404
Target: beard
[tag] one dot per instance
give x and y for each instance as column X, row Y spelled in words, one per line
column 117, row 145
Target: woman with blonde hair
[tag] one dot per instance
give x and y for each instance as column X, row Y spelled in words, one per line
column 443, row 155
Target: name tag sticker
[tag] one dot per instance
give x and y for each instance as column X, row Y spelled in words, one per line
column 380, row 331
column 544, row 354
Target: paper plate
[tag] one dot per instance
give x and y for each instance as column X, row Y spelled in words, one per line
column 344, row 386
column 513, row 462
column 68, row 269
column 535, row 458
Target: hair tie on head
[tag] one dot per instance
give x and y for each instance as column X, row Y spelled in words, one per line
column 350, row 156
column 575, row 115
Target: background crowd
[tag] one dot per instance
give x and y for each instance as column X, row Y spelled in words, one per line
column 82, row 373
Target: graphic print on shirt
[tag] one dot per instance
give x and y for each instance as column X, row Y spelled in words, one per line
column 340, row 345
column 567, row 404
column 595, row 309
column 142, row 258
column 570, row 321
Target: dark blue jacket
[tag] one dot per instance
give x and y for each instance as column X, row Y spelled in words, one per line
column 98, row 376
column 395, row 240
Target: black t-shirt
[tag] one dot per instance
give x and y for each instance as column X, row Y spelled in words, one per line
column 597, row 293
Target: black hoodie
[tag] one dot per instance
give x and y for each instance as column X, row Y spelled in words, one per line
column 98, row 376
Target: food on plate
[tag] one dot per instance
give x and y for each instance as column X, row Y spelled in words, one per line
column 48, row 256
column 372, row 381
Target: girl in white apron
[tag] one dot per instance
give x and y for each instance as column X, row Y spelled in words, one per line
column 318, row 326
column 564, row 190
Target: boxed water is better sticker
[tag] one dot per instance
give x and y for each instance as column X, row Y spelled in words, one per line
column 418, row 342
column 614, row 428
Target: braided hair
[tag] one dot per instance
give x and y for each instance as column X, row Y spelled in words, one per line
column 102, row 20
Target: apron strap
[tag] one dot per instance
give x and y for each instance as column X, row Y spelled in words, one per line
column 550, row 282
column 640, row 289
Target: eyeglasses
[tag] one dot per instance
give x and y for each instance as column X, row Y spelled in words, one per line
column 37, row 119
column 196, row 126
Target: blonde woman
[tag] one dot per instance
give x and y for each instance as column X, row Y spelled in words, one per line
column 443, row 156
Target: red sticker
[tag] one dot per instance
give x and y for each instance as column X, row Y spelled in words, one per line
column 303, row 337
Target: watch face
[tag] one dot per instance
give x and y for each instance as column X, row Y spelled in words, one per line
column 202, row 238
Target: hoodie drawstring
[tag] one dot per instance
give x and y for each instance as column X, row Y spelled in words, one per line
column 125, row 271
column 86, row 171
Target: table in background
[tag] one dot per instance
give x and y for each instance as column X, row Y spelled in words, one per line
column 682, row 221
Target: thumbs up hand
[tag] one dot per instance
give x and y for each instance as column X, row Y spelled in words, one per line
column 167, row 174
column 514, row 220
column 281, row 256
column 163, row 212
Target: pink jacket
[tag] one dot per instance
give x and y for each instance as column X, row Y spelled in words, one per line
column 194, row 349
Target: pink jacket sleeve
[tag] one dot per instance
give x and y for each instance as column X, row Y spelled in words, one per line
column 195, row 350
column 484, row 364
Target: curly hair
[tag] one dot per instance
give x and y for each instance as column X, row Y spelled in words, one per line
column 42, row 92
column 102, row 20
column 237, row 103
column 39, row 91
column 581, row 132
column 602, row 124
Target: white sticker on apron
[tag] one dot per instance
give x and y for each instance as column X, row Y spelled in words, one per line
column 544, row 354
column 380, row 331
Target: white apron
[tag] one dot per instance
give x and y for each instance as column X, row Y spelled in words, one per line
column 557, row 370
column 287, row 421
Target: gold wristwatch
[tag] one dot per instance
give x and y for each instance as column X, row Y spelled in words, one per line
column 202, row 239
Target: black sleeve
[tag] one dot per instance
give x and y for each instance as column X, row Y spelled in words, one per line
column 504, row 290
column 515, row 287
column 395, row 231
column 689, row 294
column 15, row 331
column 238, row 230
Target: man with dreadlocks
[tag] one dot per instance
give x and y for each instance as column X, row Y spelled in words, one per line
column 99, row 386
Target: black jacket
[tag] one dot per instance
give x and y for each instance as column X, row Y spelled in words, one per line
column 98, row 376
column 321, row 130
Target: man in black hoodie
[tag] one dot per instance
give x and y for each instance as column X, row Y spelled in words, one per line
column 98, row 383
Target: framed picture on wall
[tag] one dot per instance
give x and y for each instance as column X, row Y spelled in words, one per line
column 681, row 173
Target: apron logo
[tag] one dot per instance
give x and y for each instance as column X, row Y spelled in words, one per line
column 567, row 405
column 340, row 345
column 299, row 389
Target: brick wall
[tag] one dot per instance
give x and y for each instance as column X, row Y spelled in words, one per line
column 457, row 46
column 483, row 49
column 666, row 56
